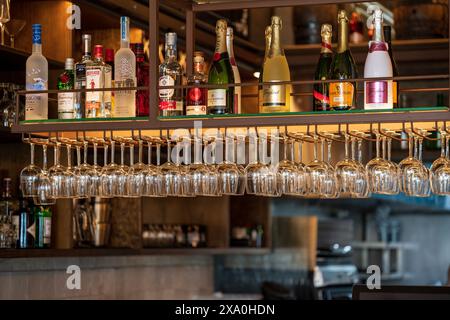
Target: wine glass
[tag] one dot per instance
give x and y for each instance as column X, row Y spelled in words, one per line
column 171, row 174
column 154, row 184
column 96, row 172
column 29, row 176
column 84, row 173
column 302, row 176
column 112, row 174
column 286, row 172
column 122, row 188
column 4, row 18
column 228, row 171
column 58, row 176
column 14, row 27
column 44, row 192
column 136, row 174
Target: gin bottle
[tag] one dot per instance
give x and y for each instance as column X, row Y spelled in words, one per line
column 36, row 105
column 170, row 74
column 80, row 76
column 125, row 74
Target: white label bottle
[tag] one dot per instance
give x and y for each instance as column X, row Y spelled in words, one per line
column 36, row 105
column 378, row 93
column 125, row 74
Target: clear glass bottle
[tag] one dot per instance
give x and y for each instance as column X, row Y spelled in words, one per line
column 268, row 36
column 276, row 98
column 80, row 76
column 98, row 76
column 170, row 74
column 36, row 105
column 66, row 100
column 125, row 74
column 236, row 74
column 196, row 98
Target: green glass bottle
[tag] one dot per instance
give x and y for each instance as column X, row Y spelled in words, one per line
column 43, row 229
column 66, row 100
column 343, row 94
column 321, row 97
column 221, row 100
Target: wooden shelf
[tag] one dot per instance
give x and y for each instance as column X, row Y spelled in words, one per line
column 105, row 252
column 281, row 119
column 15, row 60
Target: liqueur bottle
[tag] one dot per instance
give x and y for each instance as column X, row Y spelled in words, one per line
column 66, row 100
column 43, row 228
column 98, row 76
column 321, row 98
column 343, row 94
column 125, row 74
column 276, row 97
column 378, row 93
column 80, row 76
column 236, row 75
column 196, row 99
column 170, row 74
column 221, row 100
column 36, row 105
column 142, row 75
column 109, row 59
column 395, row 85
column 268, row 35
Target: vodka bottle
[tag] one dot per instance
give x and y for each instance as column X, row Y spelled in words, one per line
column 80, row 76
column 125, row 74
column 36, row 105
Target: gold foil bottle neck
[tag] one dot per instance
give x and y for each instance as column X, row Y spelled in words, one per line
column 276, row 21
column 221, row 26
column 342, row 15
column 326, row 30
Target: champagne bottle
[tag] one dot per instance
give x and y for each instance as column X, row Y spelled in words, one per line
column 276, row 98
column 221, row 100
column 234, row 67
column 395, row 88
column 378, row 93
column 321, row 98
column 343, row 94
column 268, row 35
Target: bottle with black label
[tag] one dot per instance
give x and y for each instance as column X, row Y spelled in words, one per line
column 26, row 230
column 43, row 228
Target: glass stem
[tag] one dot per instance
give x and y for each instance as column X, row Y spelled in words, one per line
column 105, row 155
column 378, row 145
column 389, row 146
column 360, row 141
column 292, row 151
column 131, row 154
column 78, row 156
column 69, row 156
column 95, row 153
column 32, row 153
column 384, row 148
column 329, row 143
column 44, row 161
column 353, row 148
column 315, row 148
column 113, row 144
column 149, row 154
column 169, row 151
column 443, row 146
column 122, row 153
column 322, row 146
column 300, row 151
column 410, row 145
column 85, row 152
column 158, row 154
column 420, row 148
column 140, row 151
column 346, row 146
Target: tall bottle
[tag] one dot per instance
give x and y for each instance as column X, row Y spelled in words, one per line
column 268, row 35
column 378, row 93
column 80, row 76
column 26, row 229
column 343, row 94
column 321, row 97
column 43, row 228
column 276, row 98
column 170, row 74
column 234, row 67
column 125, row 74
column 196, row 99
column 98, row 76
column 395, row 85
column 142, row 75
column 36, row 105
column 66, row 100
column 221, row 100
column 109, row 59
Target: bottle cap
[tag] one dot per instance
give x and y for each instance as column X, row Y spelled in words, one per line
column 276, row 20
column 109, row 55
column 199, row 57
column 229, row 32
column 221, row 25
column 171, row 39
column 69, row 64
column 98, row 51
column 268, row 31
column 326, row 30
column 342, row 15
column 86, row 37
column 36, row 31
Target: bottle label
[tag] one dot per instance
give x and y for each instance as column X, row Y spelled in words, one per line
column 376, row 92
column 163, row 82
column 80, row 75
column 107, row 95
column 34, row 103
column 66, row 103
column 394, row 92
column 93, row 81
column 274, row 96
column 47, row 230
column 16, row 225
column 217, row 98
column 321, row 97
column 32, row 230
column 341, row 94
column 196, row 102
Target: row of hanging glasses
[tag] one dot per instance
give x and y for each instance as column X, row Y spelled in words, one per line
column 320, row 178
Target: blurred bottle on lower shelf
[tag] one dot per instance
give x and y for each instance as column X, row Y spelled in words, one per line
column 43, row 227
